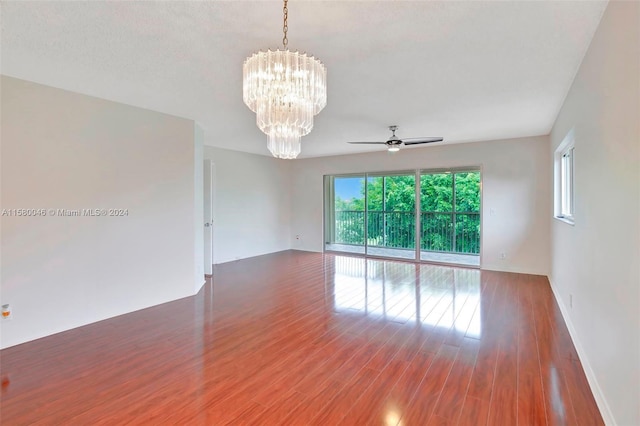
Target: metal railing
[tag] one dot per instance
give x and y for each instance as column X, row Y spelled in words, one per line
column 391, row 229
column 453, row 232
column 349, row 227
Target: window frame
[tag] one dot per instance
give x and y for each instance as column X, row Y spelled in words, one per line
column 329, row 208
column 564, row 180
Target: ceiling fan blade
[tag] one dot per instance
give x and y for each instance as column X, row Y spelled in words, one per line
column 369, row 143
column 416, row 141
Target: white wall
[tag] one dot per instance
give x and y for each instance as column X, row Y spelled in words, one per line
column 597, row 260
column 62, row 150
column 515, row 185
column 252, row 204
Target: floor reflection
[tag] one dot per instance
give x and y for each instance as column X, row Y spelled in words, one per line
column 430, row 295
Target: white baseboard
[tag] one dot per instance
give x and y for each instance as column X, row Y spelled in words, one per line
column 601, row 401
column 510, row 268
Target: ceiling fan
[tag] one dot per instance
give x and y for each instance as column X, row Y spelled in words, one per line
column 394, row 142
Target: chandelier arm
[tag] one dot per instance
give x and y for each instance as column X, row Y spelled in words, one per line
column 285, row 26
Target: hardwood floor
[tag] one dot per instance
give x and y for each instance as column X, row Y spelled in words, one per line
column 301, row 338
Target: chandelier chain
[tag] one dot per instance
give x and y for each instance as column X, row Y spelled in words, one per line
column 285, row 26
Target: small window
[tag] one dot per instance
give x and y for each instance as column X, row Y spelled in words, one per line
column 564, row 179
column 566, row 191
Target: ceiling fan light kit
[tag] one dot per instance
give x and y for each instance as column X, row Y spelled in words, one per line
column 394, row 142
column 286, row 90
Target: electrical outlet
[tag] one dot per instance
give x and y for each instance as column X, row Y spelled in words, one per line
column 503, row 255
column 571, row 301
column 298, row 237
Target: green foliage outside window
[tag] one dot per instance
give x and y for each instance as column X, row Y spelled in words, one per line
column 391, row 212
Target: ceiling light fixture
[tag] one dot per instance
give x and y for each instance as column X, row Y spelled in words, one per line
column 285, row 89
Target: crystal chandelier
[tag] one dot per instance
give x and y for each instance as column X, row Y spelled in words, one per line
column 285, row 89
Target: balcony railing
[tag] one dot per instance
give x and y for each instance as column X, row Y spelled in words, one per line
column 452, row 232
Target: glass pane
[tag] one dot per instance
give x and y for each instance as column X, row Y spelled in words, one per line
column 563, row 186
column 468, row 192
column 345, row 219
column 437, row 232
column 375, row 193
column 391, row 216
column 468, row 233
column 467, row 238
column 400, row 193
column 436, row 202
column 565, row 189
column 436, row 194
column 450, row 217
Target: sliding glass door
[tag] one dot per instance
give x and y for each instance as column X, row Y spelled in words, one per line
column 391, row 205
column 415, row 215
column 450, row 217
column 345, row 213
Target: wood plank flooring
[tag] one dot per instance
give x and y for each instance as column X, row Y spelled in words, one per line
column 297, row 338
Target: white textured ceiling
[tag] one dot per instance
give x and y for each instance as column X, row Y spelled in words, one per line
column 467, row 71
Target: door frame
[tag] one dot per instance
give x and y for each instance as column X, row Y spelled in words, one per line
column 208, row 204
